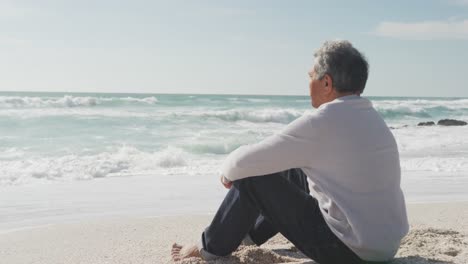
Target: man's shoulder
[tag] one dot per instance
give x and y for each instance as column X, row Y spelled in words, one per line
column 305, row 124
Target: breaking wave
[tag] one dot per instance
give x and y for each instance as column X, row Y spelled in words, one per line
column 124, row 160
column 68, row 101
column 283, row 116
column 421, row 108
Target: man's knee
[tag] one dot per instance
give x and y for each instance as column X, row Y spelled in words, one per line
column 244, row 182
column 263, row 180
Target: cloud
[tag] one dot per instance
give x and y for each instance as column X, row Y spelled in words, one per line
column 426, row 30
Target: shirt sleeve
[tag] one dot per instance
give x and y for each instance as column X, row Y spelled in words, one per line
column 290, row 148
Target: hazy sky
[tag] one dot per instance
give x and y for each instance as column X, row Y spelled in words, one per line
column 415, row 48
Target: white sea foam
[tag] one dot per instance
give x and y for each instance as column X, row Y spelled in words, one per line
column 32, row 102
column 418, row 104
column 70, row 101
column 258, row 116
column 171, row 157
column 216, row 146
column 264, row 115
column 275, row 115
column 436, row 140
column 125, row 160
column 390, row 111
column 11, row 153
column 258, row 100
column 422, row 108
column 66, row 101
column 74, row 112
column 403, row 112
column 437, row 149
column 436, row 164
column 147, row 100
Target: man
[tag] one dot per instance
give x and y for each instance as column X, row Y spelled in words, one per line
column 355, row 211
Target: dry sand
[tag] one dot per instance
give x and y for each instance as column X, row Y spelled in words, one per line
column 439, row 234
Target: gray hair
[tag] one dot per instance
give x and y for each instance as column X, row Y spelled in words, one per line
column 347, row 67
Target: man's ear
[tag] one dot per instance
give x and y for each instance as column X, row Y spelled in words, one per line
column 328, row 82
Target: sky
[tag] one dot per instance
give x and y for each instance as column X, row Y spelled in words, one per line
column 414, row 47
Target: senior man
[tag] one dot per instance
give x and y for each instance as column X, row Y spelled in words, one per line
column 329, row 181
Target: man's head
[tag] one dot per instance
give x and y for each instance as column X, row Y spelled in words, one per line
column 339, row 70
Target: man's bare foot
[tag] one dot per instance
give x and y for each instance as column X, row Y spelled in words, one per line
column 180, row 252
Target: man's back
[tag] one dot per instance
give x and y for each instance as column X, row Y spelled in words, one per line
column 351, row 159
column 356, row 177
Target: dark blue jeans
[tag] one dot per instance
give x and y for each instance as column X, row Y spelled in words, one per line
column 262, row 206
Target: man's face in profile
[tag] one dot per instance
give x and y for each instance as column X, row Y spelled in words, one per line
column 314, row 89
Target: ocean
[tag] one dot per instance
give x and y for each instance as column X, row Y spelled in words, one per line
column 65, row 156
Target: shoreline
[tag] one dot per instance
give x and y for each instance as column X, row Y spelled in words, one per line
column 413, row 205
column 31, row 205
column 439, row 234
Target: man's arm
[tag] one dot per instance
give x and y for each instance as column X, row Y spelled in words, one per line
column 291, row 148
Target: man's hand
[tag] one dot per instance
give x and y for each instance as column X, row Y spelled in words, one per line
column 227, row 183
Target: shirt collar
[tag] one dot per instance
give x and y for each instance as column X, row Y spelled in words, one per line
column 347, row 97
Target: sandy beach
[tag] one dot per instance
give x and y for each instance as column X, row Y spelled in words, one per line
column 439, row 234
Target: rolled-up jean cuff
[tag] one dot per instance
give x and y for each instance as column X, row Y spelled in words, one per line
column 205, row 254
column 248, row 241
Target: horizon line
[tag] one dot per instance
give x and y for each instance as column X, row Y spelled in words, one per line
column 71, row 92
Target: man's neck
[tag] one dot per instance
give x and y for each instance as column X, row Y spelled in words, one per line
column 338, row 95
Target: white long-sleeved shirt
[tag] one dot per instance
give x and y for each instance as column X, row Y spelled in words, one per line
column 352, row 162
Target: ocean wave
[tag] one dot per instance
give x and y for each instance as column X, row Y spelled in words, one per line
column 423, row 103
column 422, row 108
column 211, row 147
column 35, row 102
column 216, row 146
column 147, row 100
column 251, row 100
column 123, row 161
column 402, row 111
column 258, row 100
column 283, row 116
column 435, row 164
column 11, row 154
column 86, row 113
column 67, row 101
column 171, row 157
